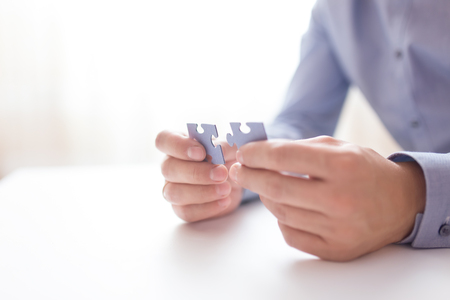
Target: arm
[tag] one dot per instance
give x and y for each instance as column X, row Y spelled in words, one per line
column 316, row 93
column 432, row 225
column 317, row 90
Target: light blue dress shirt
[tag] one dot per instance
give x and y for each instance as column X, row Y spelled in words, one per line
column 398, row 53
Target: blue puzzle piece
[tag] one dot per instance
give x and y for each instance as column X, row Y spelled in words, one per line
column 257, row 133
column 205, row 139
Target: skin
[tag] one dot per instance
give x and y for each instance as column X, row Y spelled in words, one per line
column 196, row 189
column 352, row 201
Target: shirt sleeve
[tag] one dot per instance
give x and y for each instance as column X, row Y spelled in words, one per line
column 318, row 88
column 431, row 229
column 316, row 93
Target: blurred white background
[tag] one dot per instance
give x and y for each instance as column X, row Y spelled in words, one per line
column 93, row 82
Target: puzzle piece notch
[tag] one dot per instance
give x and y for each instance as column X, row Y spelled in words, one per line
column 205, row 139
column 257, row 133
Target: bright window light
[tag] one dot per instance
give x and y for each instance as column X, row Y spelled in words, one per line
column 85, row 82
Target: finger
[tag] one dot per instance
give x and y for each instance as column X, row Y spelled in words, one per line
column 305, row 241
column 197, row 212
column 298, row 192
column 203, row 173
column 180, row 146
column 185, row 194
column 229, row 153
column 298, row 218
column 289, row 156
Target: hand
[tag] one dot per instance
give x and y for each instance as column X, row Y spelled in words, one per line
column 353, row 202
column 197, row 190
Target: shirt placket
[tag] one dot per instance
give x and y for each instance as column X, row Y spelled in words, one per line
column 415, row 125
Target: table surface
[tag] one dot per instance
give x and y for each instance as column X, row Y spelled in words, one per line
column 107, row 233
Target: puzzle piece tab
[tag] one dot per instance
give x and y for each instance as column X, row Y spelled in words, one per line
column 257, row 133
column 205, row 139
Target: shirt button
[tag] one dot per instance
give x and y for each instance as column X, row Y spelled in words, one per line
column 444, row 230
column 415, row 124
column 398, row 54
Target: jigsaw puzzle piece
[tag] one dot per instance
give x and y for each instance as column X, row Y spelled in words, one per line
column 257, row 133
column 205, row 139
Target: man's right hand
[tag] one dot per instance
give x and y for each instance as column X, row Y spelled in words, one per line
column 196, row 189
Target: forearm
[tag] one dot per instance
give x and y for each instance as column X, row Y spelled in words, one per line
column 318, row 88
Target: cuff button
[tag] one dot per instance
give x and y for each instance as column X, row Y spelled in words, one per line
column 444, row 230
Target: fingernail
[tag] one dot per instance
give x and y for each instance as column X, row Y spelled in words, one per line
column 233, row 172
column 224, row 202
column 239, row 157
column 218, row 173
column 166, row 196
column 223, row 189
column 195, row 153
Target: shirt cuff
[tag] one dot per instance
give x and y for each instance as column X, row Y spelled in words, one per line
column 427, row 228
column 248, row 196
column 410, row 238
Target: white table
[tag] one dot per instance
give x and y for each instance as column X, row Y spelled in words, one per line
column 107, row 233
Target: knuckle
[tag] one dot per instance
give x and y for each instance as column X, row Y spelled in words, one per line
column 273, row 188
column 185, row 213
column 205, row 192
column 344, row 162
column 172, row 193
column 196, row 174
column 289, row 241
column 279, row 211
column 178, row 144
column 159, row 141
column 325, row 253
column 348, row 160
column 288, row 238
column 166, row 167
column 325, row 139
column 331, row 229
column 277, row 153
column 338, row 255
